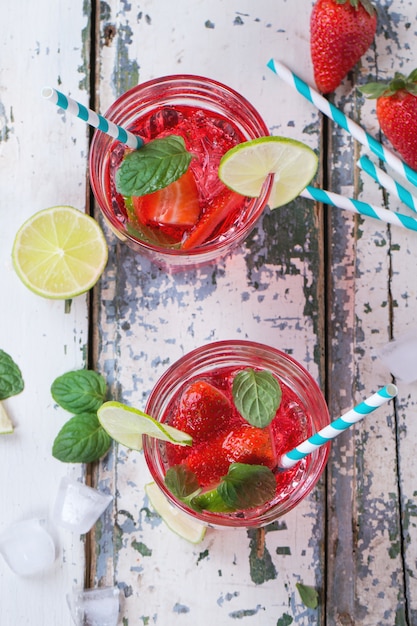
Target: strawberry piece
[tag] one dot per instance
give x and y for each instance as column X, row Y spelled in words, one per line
column 341, row 31
column 177, row 204
column 243, row 444
column 203, row 411
column 209, row 462
column 397, row 116
column 221, row 207
column 248, row 444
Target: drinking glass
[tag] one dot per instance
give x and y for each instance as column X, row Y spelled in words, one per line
column 160, row 99
column 301, row 398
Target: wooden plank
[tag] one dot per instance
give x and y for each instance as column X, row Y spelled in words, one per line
column 42, row 163
column 269, row 290
column 366, row 568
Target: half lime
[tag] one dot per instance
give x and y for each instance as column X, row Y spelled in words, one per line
column 59, row 252
column 245, row 168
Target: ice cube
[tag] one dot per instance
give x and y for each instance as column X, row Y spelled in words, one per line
column 27, row 547
column 400, row 357
column 95, row 607
column 77, row 506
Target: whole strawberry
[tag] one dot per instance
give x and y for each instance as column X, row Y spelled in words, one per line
column 396, row 110
column 341, row 31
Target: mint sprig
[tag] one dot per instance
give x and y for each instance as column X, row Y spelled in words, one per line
column 244, row 487
column 11, row 381
column 154, row 166
column 257, row 395
column 82, row 439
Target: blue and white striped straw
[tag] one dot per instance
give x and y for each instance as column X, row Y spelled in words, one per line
column 92, row 118
column 336, row 427
column 385, row 180
column 362, row 208
column 345, row 122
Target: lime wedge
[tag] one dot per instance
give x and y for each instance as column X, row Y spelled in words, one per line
column 6, row 426
column 245, row 168
column 178, row 521
column 127, row 425
column 59, row 252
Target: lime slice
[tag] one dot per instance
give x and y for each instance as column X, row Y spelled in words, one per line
column 127, row 425
column 245, row 168
column 59, row 252
column 178, row 521
column 6, row 426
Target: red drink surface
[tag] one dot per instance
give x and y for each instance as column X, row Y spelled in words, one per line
column 222, row 436
column 208, row 136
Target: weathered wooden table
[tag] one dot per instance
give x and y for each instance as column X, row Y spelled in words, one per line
column 326, row 286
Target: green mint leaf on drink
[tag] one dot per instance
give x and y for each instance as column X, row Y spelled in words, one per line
column 154, row 166
column 11, row 381
column 309, row 595
column 81, row 440
column 182, row 482
column 211, row 501
column 80, row 391
column 244, row 487
column 257, row 396
column 247, row 486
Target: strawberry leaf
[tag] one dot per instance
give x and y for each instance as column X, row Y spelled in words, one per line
column 257, row 396
column 154, row 166
column 389, row 88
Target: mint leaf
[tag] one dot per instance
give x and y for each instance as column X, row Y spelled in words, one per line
column 181, row 481
column 211, row 501
column 247, row 486
column 244, row 487
column 154, row 166
column 81, row 440
column 81, row 391
column 309, row 595
column 11, row 381
column 257, row 396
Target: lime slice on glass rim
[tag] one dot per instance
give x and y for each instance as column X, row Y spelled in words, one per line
column 178, row 521
column 59, row 252
column 245, row 168
column 126, row 425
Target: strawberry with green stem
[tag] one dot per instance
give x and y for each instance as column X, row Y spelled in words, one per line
column 341, row 31
column 396, row 110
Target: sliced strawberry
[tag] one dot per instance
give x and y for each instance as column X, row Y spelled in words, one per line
column 248, row 444
column 209, row 462
column 221, row 207
column 177, row 204
column 203, row 411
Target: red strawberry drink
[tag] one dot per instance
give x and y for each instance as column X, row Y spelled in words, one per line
column 230, row 475
column 195, row 219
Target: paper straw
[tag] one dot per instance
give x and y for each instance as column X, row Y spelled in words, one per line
column 92, row 118
column 336, row 427
column 387, row 182
column 345, row 122
column 362, row 208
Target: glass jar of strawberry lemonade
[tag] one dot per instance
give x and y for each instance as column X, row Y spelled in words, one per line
column 199, row 394
column 196, row 219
